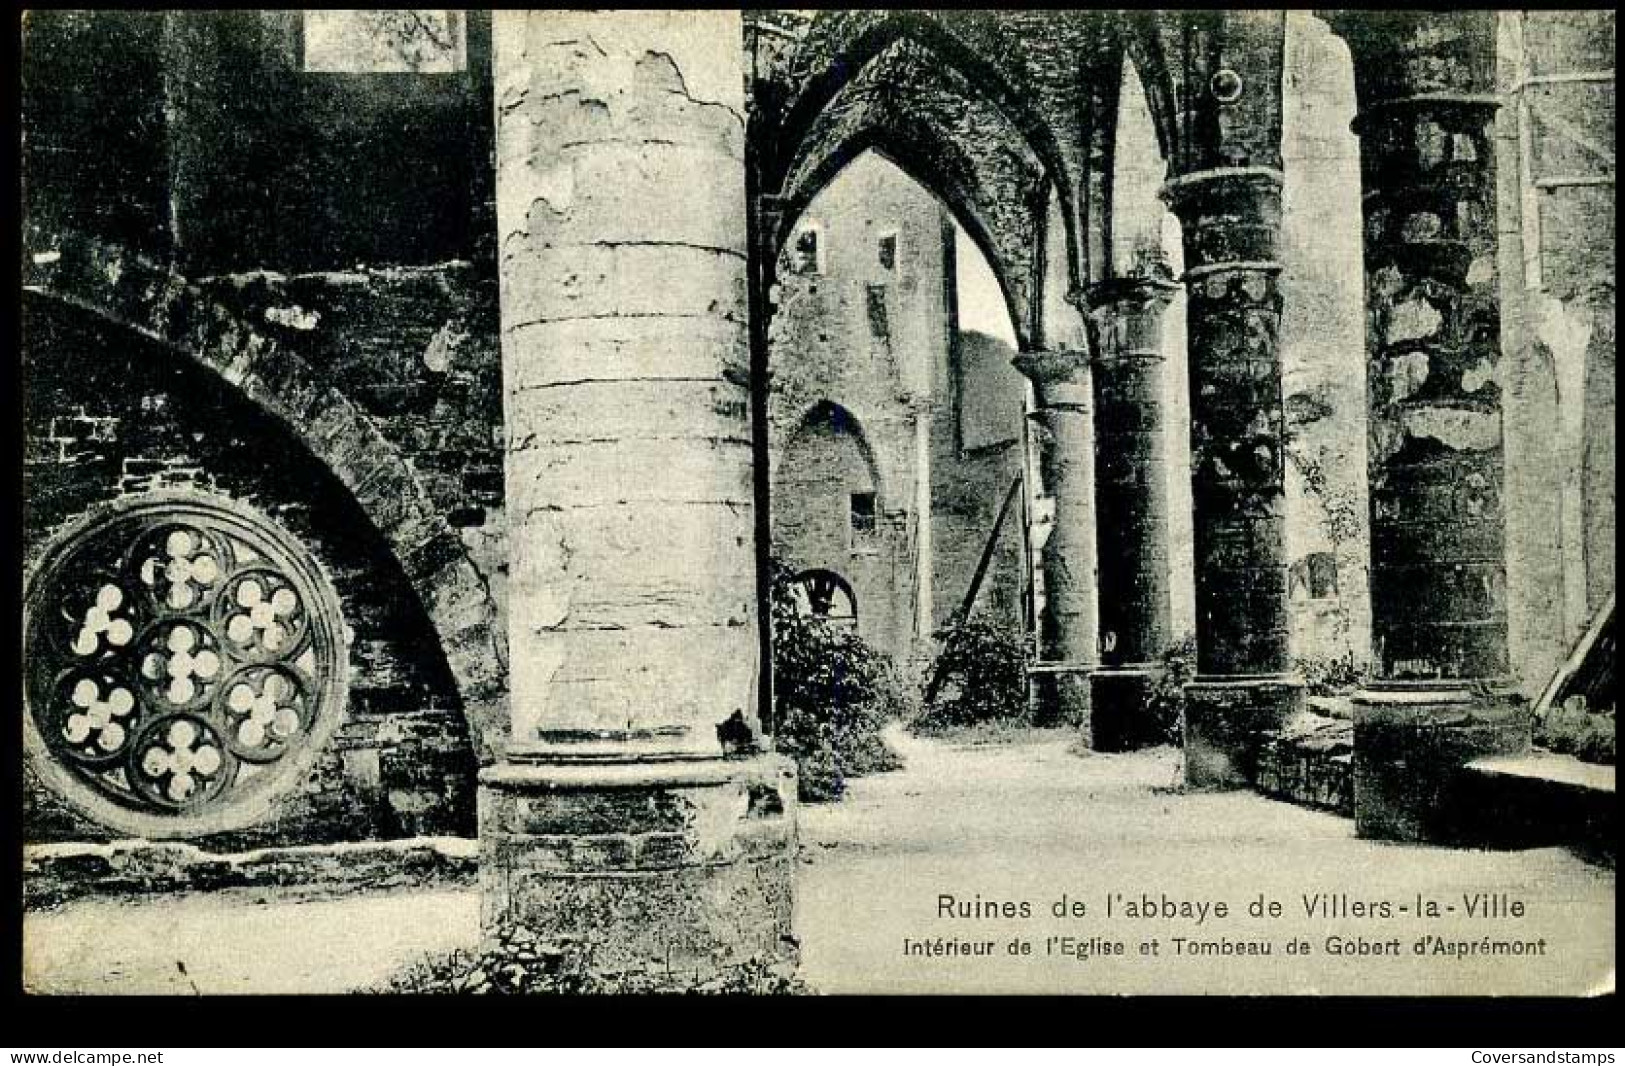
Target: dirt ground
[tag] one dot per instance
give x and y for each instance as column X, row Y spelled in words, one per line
column 1018, row 819
column 1030, row 821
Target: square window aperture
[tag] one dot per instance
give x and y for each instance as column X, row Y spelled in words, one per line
column 385, row 42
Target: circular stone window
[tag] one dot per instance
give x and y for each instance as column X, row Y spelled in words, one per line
column 184, row 664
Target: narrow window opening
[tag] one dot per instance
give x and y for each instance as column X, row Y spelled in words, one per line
column 886, row 251
column 862, row 515
column 879, row 315
column 807, row 253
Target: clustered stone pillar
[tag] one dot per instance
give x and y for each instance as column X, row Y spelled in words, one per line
column 1438, row 574
column 1244, row 686
column 1067, row 626
column 633, row 814
column 1131, row 494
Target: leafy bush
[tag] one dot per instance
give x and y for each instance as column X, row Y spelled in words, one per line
column 1166, row 707
column 1574, row 730
column 517, row 965
column 1331, row 676
column 832, row 694
column 980, row 675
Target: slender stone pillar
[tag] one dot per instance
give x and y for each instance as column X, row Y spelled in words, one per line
column 1131, row 494
column 1438, row 573
column 1244, row 685
column 634, row 813
column 923, row 410
column 1067, row 627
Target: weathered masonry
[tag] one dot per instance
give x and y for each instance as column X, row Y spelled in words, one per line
column 415, row 400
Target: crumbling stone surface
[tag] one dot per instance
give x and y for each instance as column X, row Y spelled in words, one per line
column 629, row 488
column 689, row 867
column 1231, row 225
column 1131, row 491
column 632, row 603
column 57, row 873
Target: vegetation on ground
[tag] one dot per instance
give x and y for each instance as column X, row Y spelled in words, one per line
column 1166, row 707
column 833, row 692
column 517, row 964
column 1574, row 729
column 979, row 676
column 1331, row 675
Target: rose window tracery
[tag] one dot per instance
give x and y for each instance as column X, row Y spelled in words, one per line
column 185, row 663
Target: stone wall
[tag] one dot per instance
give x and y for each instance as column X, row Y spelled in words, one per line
column 1322, row 348
column 92, row 100
column 976, row 459
column 1557, row 266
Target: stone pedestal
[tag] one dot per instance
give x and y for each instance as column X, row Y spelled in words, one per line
column 1131, row 494
column 684, row 865
column 1411, row 743
column 1244, row 684
column 1225, row 722
column 1120, row 706
column 1068, row 631
column 1427, row 107
column 634, row 815
column 1059, row 694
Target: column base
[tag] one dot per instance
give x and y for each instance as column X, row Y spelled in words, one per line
column 683, row 865
column 1411, row 743
column 1058, row 695
column 1122, row 713
column 1226, row 719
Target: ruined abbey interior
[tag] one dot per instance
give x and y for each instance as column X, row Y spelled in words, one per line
column 417, row 403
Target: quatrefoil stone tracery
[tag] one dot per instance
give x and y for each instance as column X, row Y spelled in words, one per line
column 185, row 663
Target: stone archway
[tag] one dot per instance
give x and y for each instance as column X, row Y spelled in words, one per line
column 132, row 293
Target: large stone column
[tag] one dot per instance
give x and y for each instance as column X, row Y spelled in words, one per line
column 1438, row 574
column 1131, row 493
column 634, row 813
column 1068, row 631
column 1244, row 685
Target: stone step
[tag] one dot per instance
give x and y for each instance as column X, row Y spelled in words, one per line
column 1543, row 799
column 1309, row 761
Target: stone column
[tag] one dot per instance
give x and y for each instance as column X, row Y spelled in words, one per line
column 1438, row 574
column 1131, row 494
column 1244, row 685
column 634, row 813
column 1067, row 626
column 924, row 560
